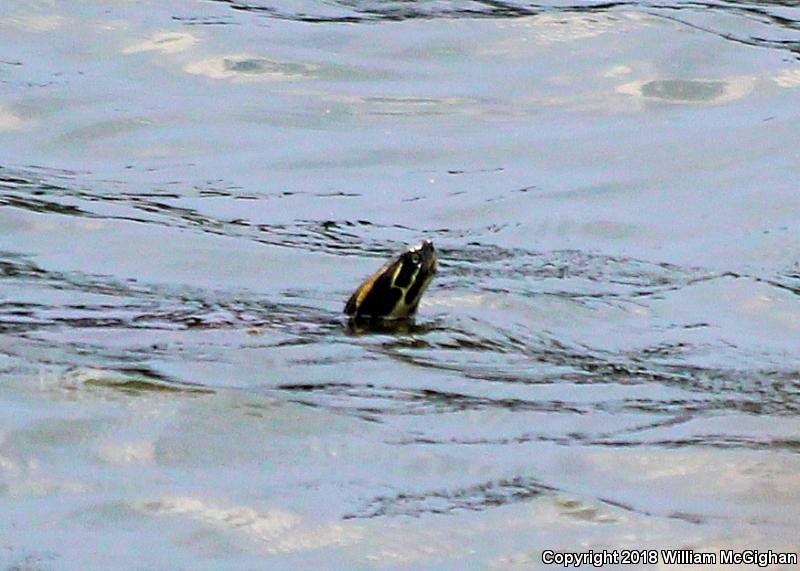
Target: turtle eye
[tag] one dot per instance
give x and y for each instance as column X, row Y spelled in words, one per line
column 415, row 258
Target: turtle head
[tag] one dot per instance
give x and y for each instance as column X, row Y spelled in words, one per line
column 394, row 291
column 417, row 262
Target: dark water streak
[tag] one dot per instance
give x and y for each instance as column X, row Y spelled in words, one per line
column 781, row 17
column 579, row 277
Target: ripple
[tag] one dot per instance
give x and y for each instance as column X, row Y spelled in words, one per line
column 164, row 42
column 690, row 90
column 274, row 531
column 504, row 330
column 244, row 67
column 34, row 23
column 473, row 498
column 354, row 11
column 130, row 380
column 9, row 121
column 769, row 25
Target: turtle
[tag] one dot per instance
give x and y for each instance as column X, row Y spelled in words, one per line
column 394, row 291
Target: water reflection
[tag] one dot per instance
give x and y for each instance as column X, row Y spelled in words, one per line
column 353, row 11
column 164, row 42
column 690, row 90
column 248, row 67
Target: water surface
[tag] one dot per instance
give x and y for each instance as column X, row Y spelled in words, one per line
column 608, row 357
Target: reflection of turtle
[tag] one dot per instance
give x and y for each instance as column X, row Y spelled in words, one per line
column 394, row 291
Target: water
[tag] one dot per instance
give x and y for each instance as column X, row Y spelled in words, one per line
column 607, row 359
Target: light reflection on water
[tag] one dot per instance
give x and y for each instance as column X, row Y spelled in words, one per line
column 606, row 359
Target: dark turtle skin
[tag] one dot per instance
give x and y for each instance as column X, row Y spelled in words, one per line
column 394, row 291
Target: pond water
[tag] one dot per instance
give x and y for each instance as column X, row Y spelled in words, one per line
column 608, row 358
